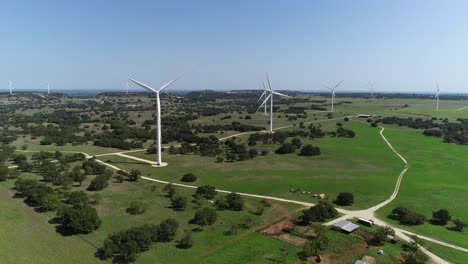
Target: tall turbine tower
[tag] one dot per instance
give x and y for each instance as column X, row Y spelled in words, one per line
column 270, row 97
column 333, row 94
column 48, row 88
column 158, row 113
column 10, row 83
column 436, row 97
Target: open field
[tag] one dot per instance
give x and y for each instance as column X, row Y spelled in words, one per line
column 436, row 179
column 363, row 165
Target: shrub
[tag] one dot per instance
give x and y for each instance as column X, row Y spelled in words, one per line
column 285, row 149
column 98, row 183
column 344, row 199
column 407, row 217
column 318, row 213
column 136, row 208
column 309, row 150
column 189, row 177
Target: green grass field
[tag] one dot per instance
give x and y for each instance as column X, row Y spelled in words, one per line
column 363, row 165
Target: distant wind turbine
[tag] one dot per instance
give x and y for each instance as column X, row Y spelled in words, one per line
column 158, row 112
column 48, row 88
column 10, row 83
column 271, row 93
column 436, row 97
column 372, row 85
column 333, row 93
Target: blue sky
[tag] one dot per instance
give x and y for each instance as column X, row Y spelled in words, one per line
column 401, row 45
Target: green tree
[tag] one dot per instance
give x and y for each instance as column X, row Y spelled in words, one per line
column 169, row 189
column 188, row 177
column 81, row 220
column 235, row 201
column 309, row 150
column 186, row 241
column 137, row 208
column 77, row 199
column 134, row 175
column 459, row 225
column 207, row 191
column 179, row 202
column 315, row 247
column 344, row 199
column 441, row 217
column 205, row 216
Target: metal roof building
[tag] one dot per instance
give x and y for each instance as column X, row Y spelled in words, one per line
column 345, row 226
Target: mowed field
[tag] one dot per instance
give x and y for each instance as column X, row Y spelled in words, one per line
column 363, row 165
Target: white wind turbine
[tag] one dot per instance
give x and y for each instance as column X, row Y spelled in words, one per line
column 48, row 88
column 436, row 97
column 158, row 112
column 333, row 93
column 10, row 83
column 372, row 85
column 264, row 94
column 271, row 93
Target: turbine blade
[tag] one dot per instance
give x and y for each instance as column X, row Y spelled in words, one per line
column 264, row 102
column 261, row 96
column 268, row 79
column 170, row 82
column 143, row 85
column 329, row 88
column 338, row 85
column 281, row 94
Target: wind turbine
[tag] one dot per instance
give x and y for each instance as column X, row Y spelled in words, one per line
column 158, row 112
column 436, row 97
column 271, row 93
column 333, row 93
column 371, row 85
column 48, row 88
column 264, row 94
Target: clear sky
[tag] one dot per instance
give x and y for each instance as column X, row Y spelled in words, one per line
column 402, row 45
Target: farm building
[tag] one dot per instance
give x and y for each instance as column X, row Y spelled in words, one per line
column 345, row 226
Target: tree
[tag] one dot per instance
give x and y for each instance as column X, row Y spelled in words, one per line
column 221, row 203
column 78, row 176
column 205, row 216
column 77, row 199
column 169, row 189
column 235, row 201
column 309, row 150
column 207, row 191
column 381, row 235
column 315, row 247
column 318, row 213
column 98, row 183
column 50, row 201
column 285, row 149
column 186, row 241
column 119, row 178
column 178, row 202
column 296, row 142
column 441, row 217
column 81, row 220
column 167, row 230
column 4, row 173
column 25, row 166
column 136, row 208
column 407, row 217
column 188, row 177
column 459, row 225
column 344, row 199
column 134, row 175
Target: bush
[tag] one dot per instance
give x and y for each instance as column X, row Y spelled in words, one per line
column 309, row 150
column 204, row 216
column 344, row 199
column 235, row 202
column 136, row 208
column 441, row 217
column 459, row 225
column 186, row 241
column 315, row 247
column 285, row 149
column 98, row 183
column 189, row 177
column 179, row 202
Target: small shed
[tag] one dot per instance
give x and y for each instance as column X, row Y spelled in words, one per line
column 345, row 226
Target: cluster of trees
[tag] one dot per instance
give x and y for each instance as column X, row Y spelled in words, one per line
column 407, row 217
column 450, row 131
column 74, row 214
column 124, row 246
column 440, row 217
column 309, row 150
column 232, row 201
column 234, row 126
column 318, row 213
column 238, row 151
